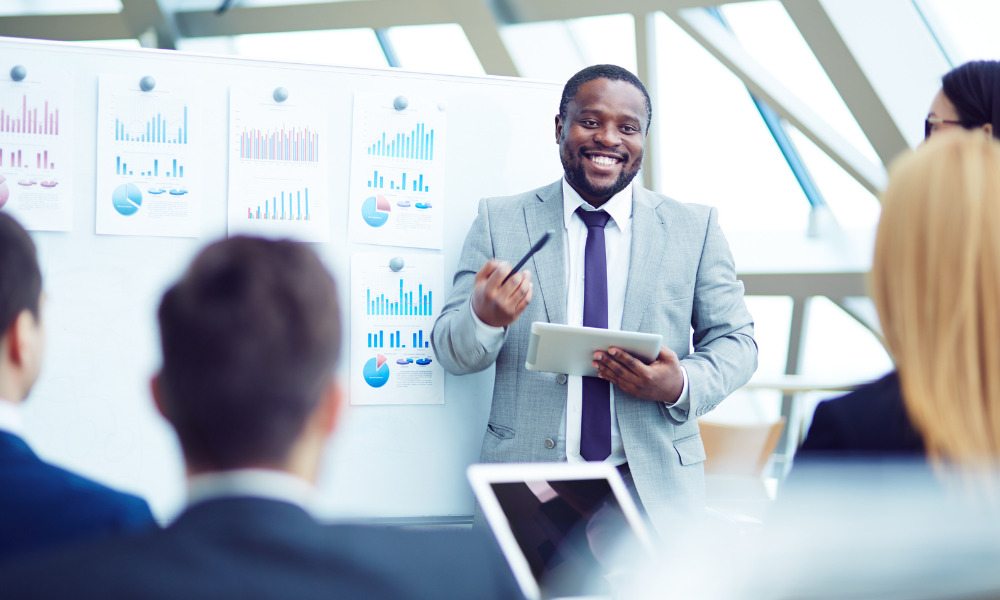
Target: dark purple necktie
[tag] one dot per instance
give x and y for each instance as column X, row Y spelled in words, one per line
column 595, row 426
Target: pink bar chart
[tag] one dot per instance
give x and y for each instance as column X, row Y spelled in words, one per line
column 26, row 159
column 35, row 118
column 291, row 144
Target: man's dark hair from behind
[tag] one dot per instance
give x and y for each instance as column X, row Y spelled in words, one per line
column 250, row 337
column 20, row 277
column 612, row 72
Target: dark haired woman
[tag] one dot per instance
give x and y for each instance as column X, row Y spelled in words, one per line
column 969, row 98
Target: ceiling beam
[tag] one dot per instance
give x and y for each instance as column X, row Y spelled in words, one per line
column 355, row 14
column 530, row 11
column 382, row 14
column 846, row 74
column 715, row 38
column 483, row 32
column 146, row 16
column 67, row 28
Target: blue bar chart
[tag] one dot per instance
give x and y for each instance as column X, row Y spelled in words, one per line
column 291, row 207
column 278, row 170
column 403, row 181
column 171, row 169
column 410, row 302
column 415, row 339
column 392, row 316
column 148, row 143
column 398, row 163
column 154, row 129
column 415, row 144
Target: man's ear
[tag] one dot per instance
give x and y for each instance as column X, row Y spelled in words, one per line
column 11, row 340
column 157, row 393
column 330, row 406
column 559, row 126
column 988, row 128
column 19, row 338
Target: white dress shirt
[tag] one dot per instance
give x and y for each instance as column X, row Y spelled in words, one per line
column 10, row 418
column 618, row 246
column 255, row 483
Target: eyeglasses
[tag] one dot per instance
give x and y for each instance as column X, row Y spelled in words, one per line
column 932, row 123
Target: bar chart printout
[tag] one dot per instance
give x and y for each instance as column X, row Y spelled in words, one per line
column 398, row 172
column 153, row 129
column 148, row 157
column 36, row 161
column 34, row 119
column 293, row 144
column 392, row 313
column 278, row 180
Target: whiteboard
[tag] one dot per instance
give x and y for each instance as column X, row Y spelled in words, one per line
column 91, row 410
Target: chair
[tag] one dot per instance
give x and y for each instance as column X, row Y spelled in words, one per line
column 735, row 459
column 741, row 450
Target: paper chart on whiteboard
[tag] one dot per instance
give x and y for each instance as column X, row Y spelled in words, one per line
column 149, row 168
column 392, row 313
column 36, row 161
column 397, row 172
column 278, row 169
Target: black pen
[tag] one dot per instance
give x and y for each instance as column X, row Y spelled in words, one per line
column 538, row 246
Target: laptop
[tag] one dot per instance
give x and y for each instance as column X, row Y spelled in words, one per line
column 567, row 530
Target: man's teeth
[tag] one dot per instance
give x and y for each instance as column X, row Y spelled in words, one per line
column 604, row 161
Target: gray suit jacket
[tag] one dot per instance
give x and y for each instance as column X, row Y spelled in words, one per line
column 681, row 277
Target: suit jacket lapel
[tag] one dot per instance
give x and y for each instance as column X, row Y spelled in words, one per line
column 542, row 214
column 649, row 240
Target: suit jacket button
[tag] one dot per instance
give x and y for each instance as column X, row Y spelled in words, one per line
column 549, row 443
column 560, row 379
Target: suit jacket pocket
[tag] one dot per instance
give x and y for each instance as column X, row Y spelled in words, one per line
column 674, row 291
column 499, row 431
column 690, row 449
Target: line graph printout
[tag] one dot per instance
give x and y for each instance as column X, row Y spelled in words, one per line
column 392, row 313
column 278, row 175
column 149, row 166
column 36, row 161
column 397, row 172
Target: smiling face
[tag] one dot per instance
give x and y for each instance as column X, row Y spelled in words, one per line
column 601, row 138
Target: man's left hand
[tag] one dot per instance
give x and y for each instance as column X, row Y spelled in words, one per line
column 660, row 381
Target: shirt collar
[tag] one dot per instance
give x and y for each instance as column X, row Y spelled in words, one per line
column 255, row 483
column 10, row 418
column 619, row 206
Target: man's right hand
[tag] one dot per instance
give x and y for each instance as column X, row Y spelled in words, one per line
column 500, row 305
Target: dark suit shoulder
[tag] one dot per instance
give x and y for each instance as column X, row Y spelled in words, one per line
column 469, row 562
column 44, row 505
column 237, row 548
column 870, row 420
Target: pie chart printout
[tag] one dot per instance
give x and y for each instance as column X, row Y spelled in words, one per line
column 127, row 198
column 375, row 210
column 376, row 371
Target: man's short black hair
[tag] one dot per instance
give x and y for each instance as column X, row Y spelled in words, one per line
column 20, row 277
column 612, row 72
column 250, row 338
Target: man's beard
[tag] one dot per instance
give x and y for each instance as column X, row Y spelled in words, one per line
column 577, row 177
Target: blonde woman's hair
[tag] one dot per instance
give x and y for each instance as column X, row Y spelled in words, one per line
column 935, row 282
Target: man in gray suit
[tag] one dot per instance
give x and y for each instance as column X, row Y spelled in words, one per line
column 668, row 270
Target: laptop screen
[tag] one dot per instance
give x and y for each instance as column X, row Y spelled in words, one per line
column 573, row 533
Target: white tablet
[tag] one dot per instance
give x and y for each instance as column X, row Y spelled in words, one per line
column 567, row 530
column 567, row 349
